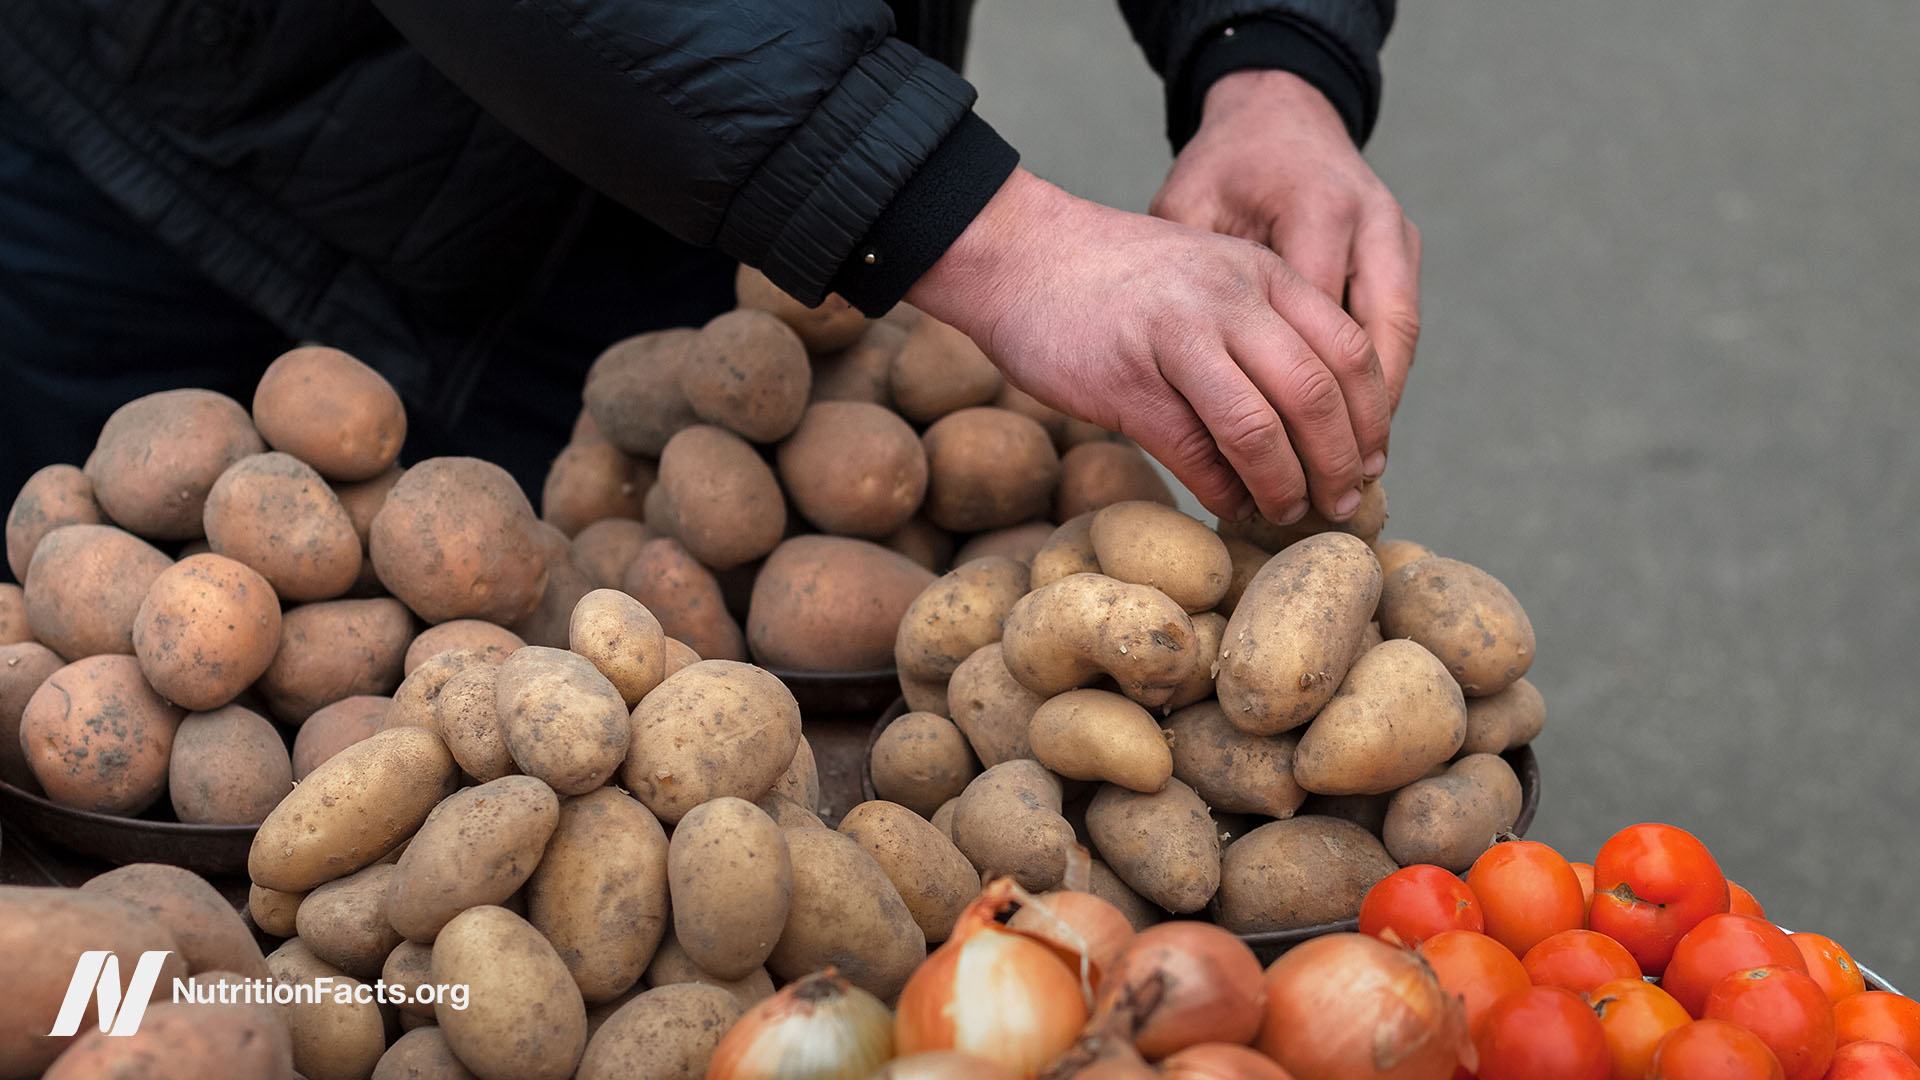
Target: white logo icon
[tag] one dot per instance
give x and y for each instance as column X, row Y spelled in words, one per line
column 98, row 975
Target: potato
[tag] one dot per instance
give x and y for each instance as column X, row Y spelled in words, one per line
column 1008, row 822
column 721, row 500
column 731, row 882
column 991, row 707
column 672, row 966
column 600, row 893
column 1306, row 871
column 787, row 813
column 603, row 549
column 421, row 1054
column 831, row 603
column 158, row 457
column 84, row 587
column 1097, row 735
column 332, row 412
column 1067, row 550
column 208, row 627
column 834, row 324
column 335, row 1036
column 417, row 701
column 1095, row 475
column 345, row 922
column 679, row 655
column 923, row 542
column 334, row 650
column 1499, row 722
column 747, row 372
column 853, row 469
column 622, row 639
column 236, row 1041
column 56, row 495
column 1295, row 632
column 1163, row 845
column 1234, row 770
column 942, row 818
column 988, row 468
column 1208, row 629
column 593, row 481
column 363, row 501
column 845, row 913
column 1394, row 554
column 920, row 761
column 633, row 391
column 524, row 1016
column 1105, row 884
column 1014, row 399
column 566, row 584
column 1464, row 616
column 561, row 719
column 457, row 539
column 685, row 596
column 862, row 371
column 409, row 966
column 97, row 737
column 353, row 809
column 1063, row 636
column 1247, row 561
column 1365, row 523
column 956, row 614
column 1019, row 542
column 477, row 847
column 1395, row 716
column 466, row 713
column 227, row 767
column 801, row 781
column 939, row 370
column 1150, row 544
column 1451, row 820
column 494, row 642
column 209, row 933
column 713, row 728
column 934, row 879
column 273, row 911
column 23, row 668
column 668, row 1033
column 274, row 513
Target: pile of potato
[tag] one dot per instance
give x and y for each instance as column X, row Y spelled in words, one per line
column 1254, row 721
column 779, row 484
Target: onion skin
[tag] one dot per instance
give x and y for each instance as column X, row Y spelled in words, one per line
column 942, row 1065
column 1349, row 1006
column 1210, row 987
column 820, row 1027
column 1222, row 1061
column 1103, row 930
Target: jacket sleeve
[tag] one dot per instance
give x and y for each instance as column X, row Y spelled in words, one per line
column 787, row 133
column 1333, row 44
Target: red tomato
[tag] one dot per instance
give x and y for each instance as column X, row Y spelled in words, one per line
column 1877, row 1014
column 1787, row 1009
column 1476, row 967
column 1578, row 960
column 1543, row 1031
column 1830, row 965
column 1742, row 902
column 1713, row 1050
column 1871, row 1060
column 1416, row 902
column 1584, row 871
column 1720, row 945
column 1651, row 884
column 1527, row 893
column 1636, row 1015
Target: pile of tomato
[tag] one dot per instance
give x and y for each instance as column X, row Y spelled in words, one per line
column 1647, row 964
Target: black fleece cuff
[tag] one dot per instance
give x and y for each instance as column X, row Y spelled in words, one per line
column 927, row 216
column 1277, row 42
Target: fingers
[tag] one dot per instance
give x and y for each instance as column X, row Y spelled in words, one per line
column 1314, row 405
column 1241, row 420
column 1385, row 294
column 1342, row 348
column 1167, row 427
column 1318, row 246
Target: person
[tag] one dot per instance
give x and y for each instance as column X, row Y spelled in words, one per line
column 477, row 197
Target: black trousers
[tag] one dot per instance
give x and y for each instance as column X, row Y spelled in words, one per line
column 95, row 311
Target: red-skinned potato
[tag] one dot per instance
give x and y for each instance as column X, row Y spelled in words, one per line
column 831, row 603
column 159, row 455
column 97, row 737
column 56, row 495
column 332, row 412
column 457, row 539
column 84, row 588
column 274, row 513
column 207, row 629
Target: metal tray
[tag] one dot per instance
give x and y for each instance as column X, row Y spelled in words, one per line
column 207, row 850
column 864, row 692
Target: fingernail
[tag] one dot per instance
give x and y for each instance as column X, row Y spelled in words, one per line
column 1348, row 503
column 1375, row 464
column 1294, row 513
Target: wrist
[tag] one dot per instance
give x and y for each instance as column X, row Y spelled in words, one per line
column 1267, row 90
column 970, row 282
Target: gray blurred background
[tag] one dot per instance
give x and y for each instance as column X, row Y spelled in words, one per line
column 1667, row 392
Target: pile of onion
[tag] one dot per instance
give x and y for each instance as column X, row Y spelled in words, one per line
column 1352, row 1007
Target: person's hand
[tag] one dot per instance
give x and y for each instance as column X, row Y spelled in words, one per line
column 1251, row 385
column 1273, row 163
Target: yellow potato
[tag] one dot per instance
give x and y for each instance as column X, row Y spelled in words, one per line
column 1163, row 845
column 477, row 847
column 1008, row 822
column 731, row 881
column 1149, row 543
column 669, row 1032
column 600, row 893
column 845, row 913
column 1451, row 820
column 991, row 707
column 1396, row 715
column 345, row 923
column 1296, row 631
column 524, row 1016
column 672, row 966
column 713, row 728
column 335, row 1037
column 1233, row 770
column 1464, row 616
column 956, row 614
column 1067, row 550
column 1306, row 871
column 1063, row 636
column 934, row 879
column 921, row 761
column 622, row 639
column 1499, row 722
column 561, row 719
column 1097, row 735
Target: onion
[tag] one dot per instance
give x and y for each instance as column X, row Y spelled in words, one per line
column 1079, row 922
column 992, row 991
column 818, row 1028
column 1104, row 1052
column 942, row 1065
column 1183, row 983
column 1222, row 1061
column 1349, row 1006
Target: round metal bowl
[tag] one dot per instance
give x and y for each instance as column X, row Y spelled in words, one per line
column 825, row 692
column 207, row 850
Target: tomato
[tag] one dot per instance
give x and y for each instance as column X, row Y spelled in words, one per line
column 1871, row 1060
column 1741, row 902
column 1584, row 871
column 1636, row 1015
column 1527, row 893
column 1578, row 960
column 1713, row 1050
column 1787, row 1009
column 1722, row 944
column 1416, row 902
column 1830, row 965
column 1540, row 1032
column 1651, row 884
column 1476, row 967
column 1877, row 1014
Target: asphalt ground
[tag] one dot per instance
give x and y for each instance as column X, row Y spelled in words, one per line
column 1667, row 391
